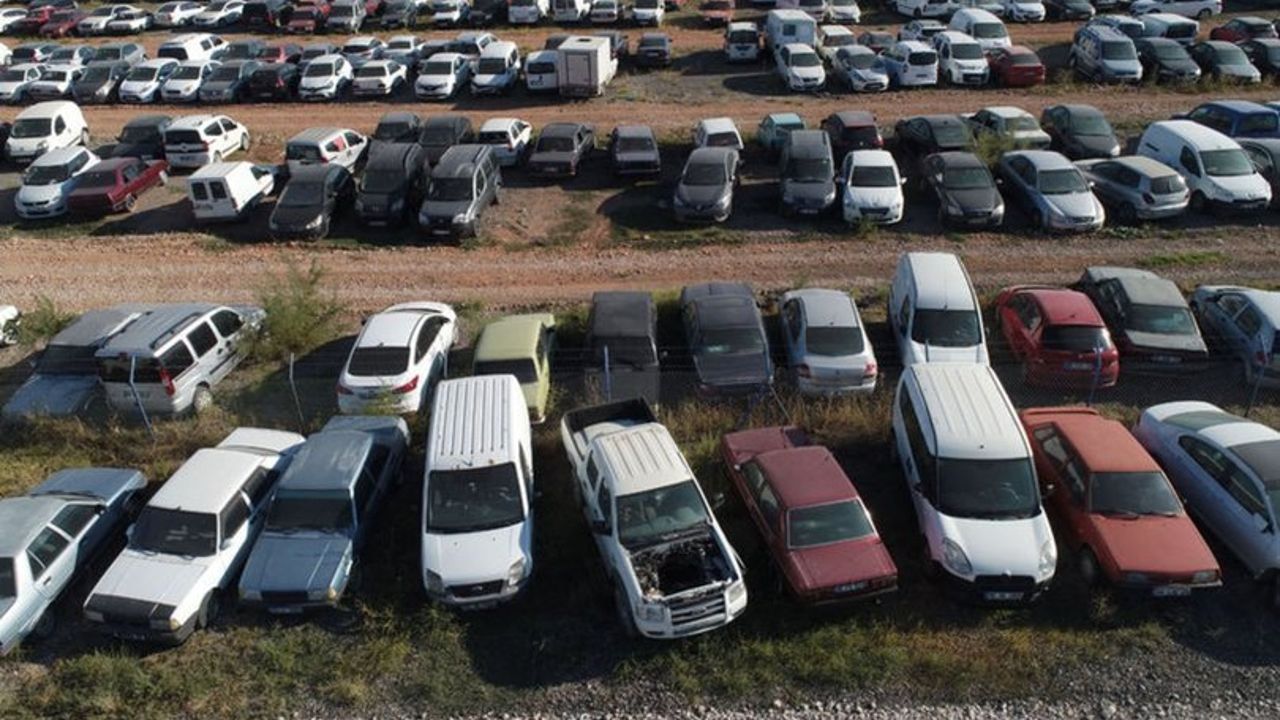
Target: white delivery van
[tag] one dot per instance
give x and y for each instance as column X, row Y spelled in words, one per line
column 570, row 11
column 585, row 66
column 783, row 27
column 228, row 191
column 45, row 126
column 540, row 71
column 1216, row 169
column 934, row 312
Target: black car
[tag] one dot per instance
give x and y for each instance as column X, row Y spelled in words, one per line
column 1069, row 10
column 393, row 183
column 486, row 13
column 277, row 81
column 653, row 50
column 916, row 138
column 1166, row 60
column 441, row 132
column 99, row 83
column 242, row 50
column 966, row 191
column 1264, row 153
column 619, row 44
column 560, row 149
column 633, row 150
column 1148, row 318
column 1080, row 132
column 313, row 195
column 622, row 335
column 142, row 137
column 1264, row 53
column 230, row 82
column 726, row 337
column 397, row 127
column 266, row 15
column 399, row 14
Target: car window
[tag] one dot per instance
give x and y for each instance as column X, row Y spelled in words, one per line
column 791, row 316
column 353, row 139
column 74, row 518
column 593, row 473
column 228, row 322
column 604, row 501
column 1063, row 460
column 1028, row 313
column 1227, row 474
column 768, row 503
column 44, row 550
column 177, row 359
column 202, row 339
column 923, row 459
column 59, row 125
column 233, row 517
column 258, row 485
column 755, row 478
column 228, row 125
column 218, row 190
column 199, row 192
column 1187, row 159
column 1249, row 321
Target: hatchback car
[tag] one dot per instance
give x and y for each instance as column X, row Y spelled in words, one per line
column 1148, row 319
column 1079, row 132
column 99, row 83
column 560, row 149
column 1058, row 337
column 184, row 84
column 1224, row 61
column 325, row 78
column 1052, row 191
column 966, row 192
column 49, row 180
column 1135, row 187
column 860, row 68
column 773, row 129
column 800, row 68
column 1011, row 122
column 274, row 82
column 705, row 190
column 379, row 78
column 653, row 50
column 726, row 338
column 441, row 132
column 1166, row 60
column 397, row 127
column 1242, row 28
column 1016, row 66
column 870, row 188
column 442, row 76
column 311, row 198
column 398, row 357
column 827, row 347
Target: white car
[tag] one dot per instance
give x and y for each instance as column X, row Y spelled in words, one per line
column 1026, row 11
column 605, row 12
column 870, row 187
column 325, row 78
column 827, row 345
column 961, row 60
column 441, row 76
column 399, row 356
column 16, row 79
column 184, row 84
column 510, row 139
column 648, row 12
column 404, row 49
column 196, row 140
column 924, row 8
column 911, row 63
column 55, row 82
column 131, row 22
column 861, row 69
column 800, row 68
column 95, row 23
column 191, row 539
column 844, row 11
column 831, row 38
column 177, row 14
column 143, row 82
column 1198, row 9
column 379, row 78
column 48, row 180
column 219, row 13
column 9, row 16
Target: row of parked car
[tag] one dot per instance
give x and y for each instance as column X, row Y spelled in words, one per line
column 279, row 521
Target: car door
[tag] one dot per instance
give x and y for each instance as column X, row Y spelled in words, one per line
column 1225, row 497
column 793, row 332
column 51, row 562
column 81, row 523
column 1058, row 464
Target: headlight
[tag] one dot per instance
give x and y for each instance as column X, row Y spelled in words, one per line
column 1204, row 576
column 397, row 206
column 1048, row 558
column 723, row 202
column 515, row 573
column 252, row 595
column 652, row 613
column 435, row 583
column 42, row 144
column 331, row 594
column 460, row 219
column 953, row 207
column 93, row 616
column 315, row 223
column 737, row 591
column 955, row 559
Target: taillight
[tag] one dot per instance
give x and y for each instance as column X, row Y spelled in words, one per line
column 344, row 390
column 803, row 371
column 869, row 370
column 407, row 387
column 167, row 381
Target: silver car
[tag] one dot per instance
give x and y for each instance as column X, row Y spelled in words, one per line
column 49, row 535
column 705, row 190
column 1247, row 322
column 827, row 346
column 1137, row 187
column 1052, row 191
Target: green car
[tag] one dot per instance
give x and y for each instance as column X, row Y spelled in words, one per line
column 520, row 345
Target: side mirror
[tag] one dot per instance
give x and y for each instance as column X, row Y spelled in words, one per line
column 128, row 532
column 599, row 527
column 1050, row 489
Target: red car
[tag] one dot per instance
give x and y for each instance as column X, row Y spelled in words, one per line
column 61, row 24
column 716, row 12
column 1238, row 30
column 1058, row 336
column 309, row 16
column 36, row 18
column 818, row 531
column 288, row 53
column 1115, row 506
column 115, row 184
column 372, row 8
column 1016, row 66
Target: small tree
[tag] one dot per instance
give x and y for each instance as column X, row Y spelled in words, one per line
column 300, row 314
column 37, row 327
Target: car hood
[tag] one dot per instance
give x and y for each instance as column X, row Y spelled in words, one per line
column 874, row 196
column 700, row 194
column 159, row 579
column 798, row 189
column 1161, row 341
column 52, row 395
column 637, row 157
column 368, row 198
column 282, row 563
column 978, row 199
column 1000, row 547
column 219, row 85
column 971, row 65
column 1180, row 66
column 751, row 369
column 43, row 193
column 1168, row 545
column 870, row 75
column 826, row 566
column 443, row 208
column 1079, row 204
column 182, row 85
column 317, row 82
column 544, row 156
column 475, row 557
column 807, row 72
column 1248, row 187
column 295, row 216
column 139, row 85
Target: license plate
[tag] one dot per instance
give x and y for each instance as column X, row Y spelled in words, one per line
column 1166, row 359
column 808, row 211
column 850, row 587
column 285, row 610
column 1077, row 366
column 998, row 596
column 1171, row 591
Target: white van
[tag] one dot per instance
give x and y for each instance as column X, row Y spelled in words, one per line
column 911, row 63
column 477, row 494
column 570, row 11
column 540, row 71
column 527, row 12
column 982, row 26
column 783, row 27
column 742, row 42
column 934, row 311
column 228, row 191
column 1167, row 25
column 43, row 127
column 497, row 70
column 972, row 480
column 961, row 60
column 196, row 140
column 192, row 46
column 323, row 145
column 648, row 12
column 1218, row 173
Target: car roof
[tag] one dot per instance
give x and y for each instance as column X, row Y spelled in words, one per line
column 1218, row 44
column 717, row 125
column 399, row 116
column 1044, row 159
column 970, row 415
column 328, row 460
column 634, row 131
column 1075, row 109
column 560, row 129
column 192, row 122
column 468, row 428
column 1007, row 111
column 825, row 308
column 111, row 164
column 956, row 37
column 959, row 159
column 315, row 173
column 207, row 480
column 622, row 313
column 938, row 120
column 458, row 160
column 22, row 518
column 785, row 118
column 513, row 336
column 94, row 326
column 1151, row 291
column 58, row 156
column 391, row 327
column 643, row 458
column 1062, row 306
column 146, row 120
column 944, row 283
column 735, row 26
column 711, row 155
column 723, row 304
column 914, row 45
column 390, row 154
column 497, row 124
column 855, row 118
column 806, row 475
column 156, row 63
column 1244, row 107
column 155, row 327
column 1102, row 443
column 1107, row 32
column 315, row 134
column 873, row 158
column 48, row 108
column 977, row 14
column 1144, row 165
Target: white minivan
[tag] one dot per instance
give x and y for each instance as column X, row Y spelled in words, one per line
column 497, row 70
column 43, row 127
column 961, row 59
column 228, row 191
column 1216, row 169
column 477, row 495
column 934, row 311
column 972, row 481
column 911, row 63
column 196, row 140
column 982, row 26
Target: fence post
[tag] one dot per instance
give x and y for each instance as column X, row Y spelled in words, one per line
column 137, row 399
column 297, row 404
column 608, row 377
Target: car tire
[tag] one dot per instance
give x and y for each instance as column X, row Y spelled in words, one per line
column 1198, row 202
column 46, row 625
column 1203, row 14
column 84, row 137
column 202, row 400
column 209, row 609
column 130, row 201
column 1127, row 214
column 622, row 608
column 244, row 142
column 1089, row 570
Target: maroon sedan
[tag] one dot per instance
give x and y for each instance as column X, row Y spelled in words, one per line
column 36, row 18
column 1016, row 66
column 1058, row 336
column 1240, row 29
column 810, row 515
column 61, row 24
column 287, row 53
column 114, row 185
column 309, row 17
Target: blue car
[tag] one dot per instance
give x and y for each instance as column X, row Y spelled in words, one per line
column 1238, row 118
column 306, row 556
column 50, row 534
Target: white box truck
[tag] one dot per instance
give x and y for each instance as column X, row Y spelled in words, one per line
column 783, row 27
column 585, row 66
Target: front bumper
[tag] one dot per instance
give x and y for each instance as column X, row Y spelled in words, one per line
column 821, row 388
column 854, row 214
column 995, row 590
column 479, row 596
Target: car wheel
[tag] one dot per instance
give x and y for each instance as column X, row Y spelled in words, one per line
column 1198, row 201
column 931, row 569
column 244, row 142
column 130, row 201
column 84, row 136
column 202, row 400
column 1127, row 214
column 45, row 626
column 1089, row 571
column 623, row 610
column 1204, row 13
column 1042, row 220
column 209, row 610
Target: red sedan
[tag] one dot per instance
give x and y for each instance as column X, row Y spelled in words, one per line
column 1058, row 336
column 818, row 531
column 1016, row 66
column 36, row 18
column 115, row 184
column 1241, row 29
column 1115, row 505
column 716, row 12
column 61, row 24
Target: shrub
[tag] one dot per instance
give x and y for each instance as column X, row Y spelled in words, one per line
column 300, row 314
column 41, row 324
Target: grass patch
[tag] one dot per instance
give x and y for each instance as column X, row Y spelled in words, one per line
column 574, row 220
column 661, row 240
column 37, row 326
column 1185, row 259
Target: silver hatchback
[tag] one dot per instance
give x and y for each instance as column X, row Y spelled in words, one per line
column 1136, row 188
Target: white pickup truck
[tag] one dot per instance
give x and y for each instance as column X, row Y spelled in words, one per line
column 673, row 571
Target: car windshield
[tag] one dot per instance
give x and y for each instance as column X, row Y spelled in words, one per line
column 400, row 44
column 946, row 328
column 473, row 499
column 1061, row 182
column 382, row 181
column 225, row 74
column 302, row 152
column 523, row 369
column 828, row 341
column 989, row 31
column 95, row 74
column 555, row 144
column 704, row 175
column 67, row 360
column 392, row 131
column 951, row 135
column 966, row 178
column 1132, row 493
column 141, row 74
column 966, row 51
column 873, row 176
column 922, row 58
column 649, row 517
column 1171, row 53
column 743, row 37
column 1230, row 55
column 808, row 170
column 175, row 532
column 492, row 66
column 1160, row 319
column 653, row 42
column 326, row 511
column 301, row 194
column 8, row 587
column 1075, row 338
column 634, row 144
column 1117, row 50
column 11, row 76
column 186, row 72
column 319, row 69
column 45, row 175
column 730, row 341
column 450, row 189
column 826, row 524
column 1090, row 125
column 97, row 179
column 1226, row 163
column 987, row 489
column 371, row 71
column 380, row 361
column 1263, row 458
column 437, row 68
